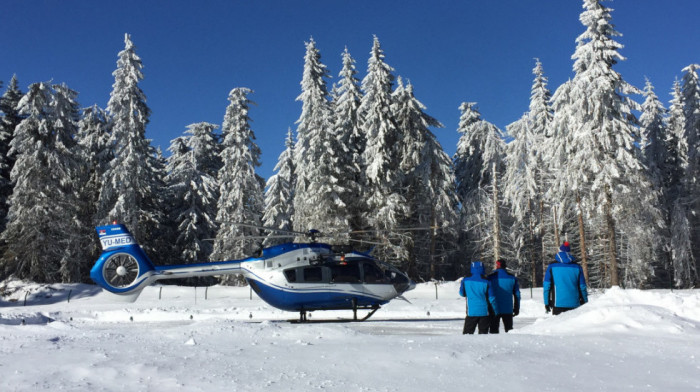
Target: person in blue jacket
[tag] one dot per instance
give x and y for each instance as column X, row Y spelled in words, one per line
column 481, row 300
column 564, row 284
column 507, row 291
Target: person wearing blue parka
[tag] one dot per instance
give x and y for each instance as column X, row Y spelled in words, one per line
column 481, row 300
column 507, row 291
column 564, row 285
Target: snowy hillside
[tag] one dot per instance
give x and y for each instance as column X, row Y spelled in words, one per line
column 622, row 340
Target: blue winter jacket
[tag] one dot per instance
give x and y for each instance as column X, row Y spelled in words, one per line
column 506, row 288
column 566, row 282
column 479, row 292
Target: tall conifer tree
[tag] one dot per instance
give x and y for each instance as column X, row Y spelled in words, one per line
column 604, row 157
column 526, row 172
column 8, row 123
column 314, row 124
column 42, row 234
column 192, row 186
column 478, row 162
column 386, row 205
column 691, row 110
column 279, row 194
column 240, row 188
column 346, row 106
column 93, row 137
column 428, row 184
column 133, row 182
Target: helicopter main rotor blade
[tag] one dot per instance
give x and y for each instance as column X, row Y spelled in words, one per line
column 261, row 237
column 265, row 228
column 423, row 228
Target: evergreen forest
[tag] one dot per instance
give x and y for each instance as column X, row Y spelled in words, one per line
column 596, row 161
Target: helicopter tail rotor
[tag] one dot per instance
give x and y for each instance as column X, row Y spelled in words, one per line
column 123, row 268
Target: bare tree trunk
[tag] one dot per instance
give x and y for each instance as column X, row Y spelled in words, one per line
column 433, row 267
column 556, row 226
column 541, row 234
column 532, row 241
column 556, row 238
column 612, row 245
column 582, row 238
column 496, row 220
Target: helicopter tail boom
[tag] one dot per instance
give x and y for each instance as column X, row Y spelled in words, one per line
column 124, row 268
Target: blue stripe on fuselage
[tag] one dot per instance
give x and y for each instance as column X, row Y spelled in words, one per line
column 312, row 298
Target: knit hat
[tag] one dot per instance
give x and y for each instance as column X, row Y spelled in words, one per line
column 565, row 247
column 501, row 264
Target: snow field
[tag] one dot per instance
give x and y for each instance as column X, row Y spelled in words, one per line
column 621, row 340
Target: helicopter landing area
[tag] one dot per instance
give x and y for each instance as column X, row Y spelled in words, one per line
column 417, row 326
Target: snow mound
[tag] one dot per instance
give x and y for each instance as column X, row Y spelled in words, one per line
column 628, row 311
column 28, row 318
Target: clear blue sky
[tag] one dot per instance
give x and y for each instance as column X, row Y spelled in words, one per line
column 195, row 52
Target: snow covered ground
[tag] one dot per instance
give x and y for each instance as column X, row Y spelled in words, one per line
column 622, row 340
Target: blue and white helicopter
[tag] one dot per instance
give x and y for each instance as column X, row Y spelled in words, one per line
column 298, row 277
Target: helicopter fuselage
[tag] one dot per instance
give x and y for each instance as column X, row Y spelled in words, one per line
column 293, row 276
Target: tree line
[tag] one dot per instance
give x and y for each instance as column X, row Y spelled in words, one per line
column 598, row 162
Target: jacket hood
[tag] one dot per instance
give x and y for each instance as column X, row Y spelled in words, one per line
column 564, row 257
column 477, row 268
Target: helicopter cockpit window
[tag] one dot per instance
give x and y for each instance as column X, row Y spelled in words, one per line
column 345, row 273
column 313, row 274
column 372, row 273
column 291, row 275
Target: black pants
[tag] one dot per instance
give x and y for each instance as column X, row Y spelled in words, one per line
column 496, row 320
column 471, row 322
column 556, row 310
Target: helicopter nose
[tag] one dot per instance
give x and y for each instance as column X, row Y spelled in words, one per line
column 406, row 285
column 411, row 285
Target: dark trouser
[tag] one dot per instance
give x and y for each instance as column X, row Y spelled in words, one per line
column 496, row 320
column 471, row 322
column 556, row 310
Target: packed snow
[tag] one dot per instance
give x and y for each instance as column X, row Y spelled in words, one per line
column 80, row 338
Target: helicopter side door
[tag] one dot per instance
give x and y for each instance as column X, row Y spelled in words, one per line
column 346, row 277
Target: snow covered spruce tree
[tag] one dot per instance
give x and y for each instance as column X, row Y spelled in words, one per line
column 323, row 188
column 603, row 157
column 133, row 182
column 428, row 183
column 279, row 195
column 654, row 145
column 9, row 121
column 386, row 204
column 93, row 137
column 75, row 264
column 682, row 143
column 682, row 267
column 524, row 179
column 478, row 162
column 691, row 110
column 567, row 209
column 193, row 191
column 241, row 197
column 346, row 106
column 43, row 234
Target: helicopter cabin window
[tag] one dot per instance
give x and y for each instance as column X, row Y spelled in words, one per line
column 313, row 274
column 291, row 275
column 372, row 273
column 345, row 273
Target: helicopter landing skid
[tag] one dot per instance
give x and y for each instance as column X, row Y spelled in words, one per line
column 304, row 319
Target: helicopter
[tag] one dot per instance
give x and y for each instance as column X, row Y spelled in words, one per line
column 297, row 277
